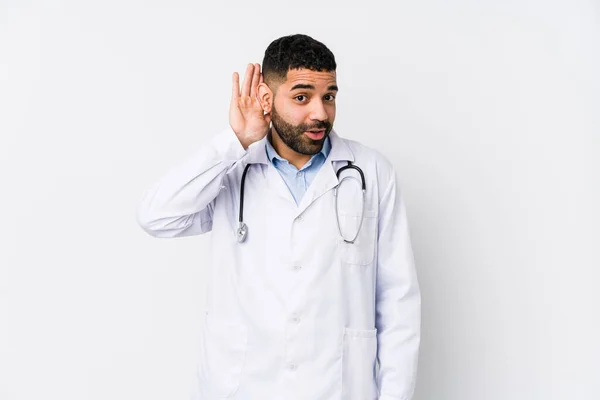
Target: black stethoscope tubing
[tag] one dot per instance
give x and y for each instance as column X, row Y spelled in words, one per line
column 243, row 229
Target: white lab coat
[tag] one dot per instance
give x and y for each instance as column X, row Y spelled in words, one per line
column 294, row 312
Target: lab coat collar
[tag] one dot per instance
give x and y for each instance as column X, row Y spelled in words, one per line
column 340, row 151
column 325, row 180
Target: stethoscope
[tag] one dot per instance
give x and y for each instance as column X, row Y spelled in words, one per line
column 242, row 230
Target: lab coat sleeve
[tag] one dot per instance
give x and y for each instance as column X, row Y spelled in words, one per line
column 181, row 202
column 398, row 300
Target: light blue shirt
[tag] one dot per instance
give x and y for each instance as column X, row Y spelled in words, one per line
column 298, row 180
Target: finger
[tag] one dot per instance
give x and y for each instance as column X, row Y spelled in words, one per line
column 235, row 86
column 247, row 80
column 255, row 80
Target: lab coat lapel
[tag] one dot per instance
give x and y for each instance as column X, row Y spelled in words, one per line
column 326, row 178
column 274, row 181
column 324, row 181
column 277, row 185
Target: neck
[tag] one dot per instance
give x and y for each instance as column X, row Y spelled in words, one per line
column 298, row 160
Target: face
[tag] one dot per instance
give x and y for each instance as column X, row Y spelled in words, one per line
column 303, row 109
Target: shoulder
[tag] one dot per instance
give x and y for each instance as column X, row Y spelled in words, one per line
column 371, row 159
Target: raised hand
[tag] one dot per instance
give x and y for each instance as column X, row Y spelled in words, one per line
column 246, row 115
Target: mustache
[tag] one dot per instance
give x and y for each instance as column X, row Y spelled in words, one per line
column 320, row 125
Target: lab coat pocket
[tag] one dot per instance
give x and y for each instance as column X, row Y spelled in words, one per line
column 358, row 364
column 362, row 251
column 224, row 355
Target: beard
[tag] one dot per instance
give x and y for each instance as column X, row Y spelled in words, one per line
column 293, row 135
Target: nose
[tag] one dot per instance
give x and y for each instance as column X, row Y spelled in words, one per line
column 318, row 111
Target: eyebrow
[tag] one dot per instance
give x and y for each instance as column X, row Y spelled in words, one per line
column 307, row 86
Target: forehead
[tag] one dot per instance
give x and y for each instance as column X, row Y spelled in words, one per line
column 319, row 79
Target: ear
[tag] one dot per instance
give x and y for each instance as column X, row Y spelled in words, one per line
column 265, row 97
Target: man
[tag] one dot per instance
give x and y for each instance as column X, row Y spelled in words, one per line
column 312, row 280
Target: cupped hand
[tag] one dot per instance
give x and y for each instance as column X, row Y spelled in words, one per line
column 246, row 115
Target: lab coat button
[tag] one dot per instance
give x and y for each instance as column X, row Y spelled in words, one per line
column 297, row 268
column 293, row 367
column 295, row 320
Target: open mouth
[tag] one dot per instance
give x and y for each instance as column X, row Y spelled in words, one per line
column 315, row 134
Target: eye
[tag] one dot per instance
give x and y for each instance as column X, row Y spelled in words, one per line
column 331, row 97
column 300, row 98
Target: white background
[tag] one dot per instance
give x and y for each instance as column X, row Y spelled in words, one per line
column 489, row 110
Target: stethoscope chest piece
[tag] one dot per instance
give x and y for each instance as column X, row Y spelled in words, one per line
column 242, row 232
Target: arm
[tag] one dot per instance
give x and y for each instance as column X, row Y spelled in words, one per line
column 398, row 302
column 180, row 203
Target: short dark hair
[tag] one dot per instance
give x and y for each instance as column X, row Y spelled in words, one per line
column 295, row 52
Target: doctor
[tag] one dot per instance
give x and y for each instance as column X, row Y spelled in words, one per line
column 316, row 296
